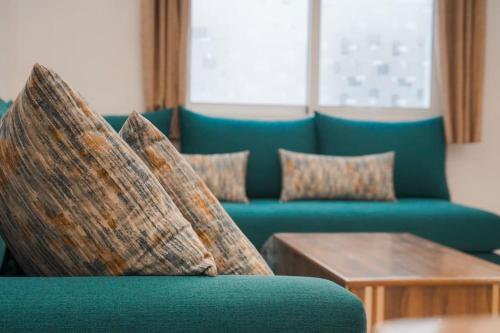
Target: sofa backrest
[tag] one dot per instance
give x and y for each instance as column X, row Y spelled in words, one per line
column 420, row 147
column 4, row 106
column 160, row 118
column 209, row 135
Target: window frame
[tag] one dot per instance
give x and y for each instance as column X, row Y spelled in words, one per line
column 268, row 111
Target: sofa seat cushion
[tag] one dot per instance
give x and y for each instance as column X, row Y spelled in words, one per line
column 488, row 256
column 178, row 304
column 461, row 227
column 209, row 135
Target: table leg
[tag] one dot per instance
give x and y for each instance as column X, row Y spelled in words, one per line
column 368, row 302
column 379, row 305
column 373, row 298
column 495, row 299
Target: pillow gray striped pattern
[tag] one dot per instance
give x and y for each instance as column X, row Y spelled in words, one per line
column 232, row 251
column 224, row 174
column 310, row 176
column 76, row 200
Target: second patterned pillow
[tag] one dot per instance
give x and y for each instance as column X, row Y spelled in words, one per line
column 309, row 176
column 232, row 251
column 224, row 174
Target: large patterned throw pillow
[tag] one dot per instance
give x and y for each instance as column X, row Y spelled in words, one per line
column 76, row 200
column 224, row 174
column 309, row 176
column 232, row 251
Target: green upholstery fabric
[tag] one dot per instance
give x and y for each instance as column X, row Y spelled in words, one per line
column 116, row 121
column 178, row 304
column 209, row 135
column 161, row 119
column 4, row 106
column 488, row 256
column 419, row 169
column 453, row 225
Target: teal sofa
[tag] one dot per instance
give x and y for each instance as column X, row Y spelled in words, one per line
column 423, row 205
column 177, row 304
column 4, row 106
column 173, row 304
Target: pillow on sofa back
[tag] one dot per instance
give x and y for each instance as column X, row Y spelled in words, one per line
column 311, row 176
column 76, row 200
column 209, row 135
column 224, row 174
column 160, row 118
column 419, row 169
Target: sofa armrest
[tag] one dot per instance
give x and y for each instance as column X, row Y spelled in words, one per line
column 178, row 304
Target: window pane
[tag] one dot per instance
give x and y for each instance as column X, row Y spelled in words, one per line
column 376, row 53
column 249, row 51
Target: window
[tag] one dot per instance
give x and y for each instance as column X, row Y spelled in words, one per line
column 376, row 53
column 249, row 51
column 311, row 53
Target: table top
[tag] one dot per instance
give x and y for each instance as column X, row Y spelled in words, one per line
column 388, row 259
column 442, row 325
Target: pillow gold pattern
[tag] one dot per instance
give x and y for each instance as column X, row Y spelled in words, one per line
column 232, row 251
column 224, row 174
column 309, row 176
column 76, row 200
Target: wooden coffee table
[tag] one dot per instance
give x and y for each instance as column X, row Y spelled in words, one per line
column 395, row 275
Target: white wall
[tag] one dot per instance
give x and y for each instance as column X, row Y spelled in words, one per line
column 95, row 46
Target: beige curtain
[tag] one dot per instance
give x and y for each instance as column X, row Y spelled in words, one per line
column 164, row 54
column 461, row 45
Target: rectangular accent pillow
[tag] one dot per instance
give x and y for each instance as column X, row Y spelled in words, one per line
column 224, row 174
column 210, row 135
column 160, row 118
column 309, row 176
column 232, row 251
column 420, row 148
column 76, row 200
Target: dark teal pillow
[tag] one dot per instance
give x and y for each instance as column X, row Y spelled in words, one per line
column 161, row 119
column 209, row 135
column 420, row 147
